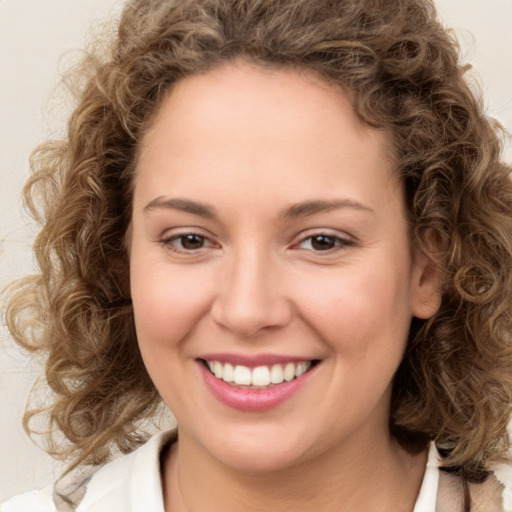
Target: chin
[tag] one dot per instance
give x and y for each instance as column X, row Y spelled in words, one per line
column 255, row 450
column 259, row 460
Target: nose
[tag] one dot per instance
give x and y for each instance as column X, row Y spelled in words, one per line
column 251, row 297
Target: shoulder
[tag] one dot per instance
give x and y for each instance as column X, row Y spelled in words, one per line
column 444, row 492
column 493, row 495
column 38, row 500
column 131, row 482
column 503, row 474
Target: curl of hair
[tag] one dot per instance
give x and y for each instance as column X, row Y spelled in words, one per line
column 401, row 68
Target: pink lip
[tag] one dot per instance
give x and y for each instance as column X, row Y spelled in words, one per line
column 253, row 361
column 245, row 399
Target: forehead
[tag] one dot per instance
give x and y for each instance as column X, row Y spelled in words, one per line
column 242, row 122
column 255, row 91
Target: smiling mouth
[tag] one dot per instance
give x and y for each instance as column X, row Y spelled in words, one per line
column 260, row 377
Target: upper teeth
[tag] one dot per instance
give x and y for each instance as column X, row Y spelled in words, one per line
column 259, row 376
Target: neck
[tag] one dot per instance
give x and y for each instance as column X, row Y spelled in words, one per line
column 357, row 476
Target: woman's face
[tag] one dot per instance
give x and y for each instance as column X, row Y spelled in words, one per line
column 269, row 239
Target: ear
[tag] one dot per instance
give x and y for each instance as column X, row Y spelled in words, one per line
column 427, row 279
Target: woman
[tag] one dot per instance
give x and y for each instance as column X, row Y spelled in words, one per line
column 288, row 221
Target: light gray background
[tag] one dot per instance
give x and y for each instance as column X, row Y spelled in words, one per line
column 34, row 34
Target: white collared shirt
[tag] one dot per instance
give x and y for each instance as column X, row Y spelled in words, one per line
column 132, row 483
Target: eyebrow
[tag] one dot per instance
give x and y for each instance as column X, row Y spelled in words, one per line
column 184, row 205
column 318, row 206
column 303, row 209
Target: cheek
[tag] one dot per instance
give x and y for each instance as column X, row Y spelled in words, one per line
column 360, row 307
column 167, row 303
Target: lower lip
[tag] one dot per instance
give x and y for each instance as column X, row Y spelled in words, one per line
column 245, row 399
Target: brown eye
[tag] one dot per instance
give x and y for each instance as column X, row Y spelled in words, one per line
column 323, row 242
column 192, row 242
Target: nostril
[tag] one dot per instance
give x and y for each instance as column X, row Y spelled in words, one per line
column 249, row 314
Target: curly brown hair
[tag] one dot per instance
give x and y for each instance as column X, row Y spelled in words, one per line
column 402, row 70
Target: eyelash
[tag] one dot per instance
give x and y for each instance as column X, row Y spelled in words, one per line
column 170, row 242
column 337, row 242
column 175, row 243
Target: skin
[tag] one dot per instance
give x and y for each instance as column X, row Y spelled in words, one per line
column 248, row 144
